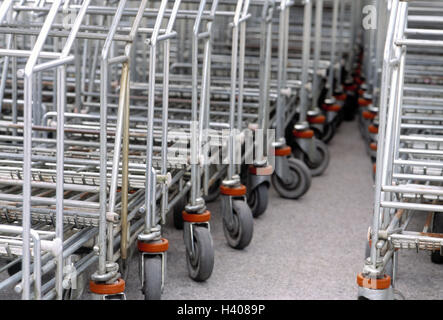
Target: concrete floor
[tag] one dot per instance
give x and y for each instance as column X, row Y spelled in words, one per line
column 306, row 249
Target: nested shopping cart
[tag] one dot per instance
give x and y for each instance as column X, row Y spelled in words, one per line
column 333, row 40
column 160, row 107
column 51, row 182
column 292, row 108
column 253, row 165
column 217, row 139
column 306, row 146
column 374, row 39
column 77, row 111
column 408, row 182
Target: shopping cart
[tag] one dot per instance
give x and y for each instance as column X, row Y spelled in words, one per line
column 99, row 210
column 408, row 177
column 50, row 188
column 305, row 145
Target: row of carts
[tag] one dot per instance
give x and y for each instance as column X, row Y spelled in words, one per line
column 400, row 116
column 116, row 114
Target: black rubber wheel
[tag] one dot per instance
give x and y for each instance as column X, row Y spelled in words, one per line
column 178, row 213
column 213, row 192
column 201, row 264
column 258, row 200
column 319, row 167
column 328, row 132
column 239, row 236
column 152, row 273
column 300, row 183
column 437, row 227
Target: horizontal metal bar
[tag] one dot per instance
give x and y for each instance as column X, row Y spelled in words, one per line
column 27, row 53
column 423, row 163
column 119, row 59
column 49, row 185
column 419, row 43
column 415, row 188
column 53, row 63
column 412, row 206
column 49, row 201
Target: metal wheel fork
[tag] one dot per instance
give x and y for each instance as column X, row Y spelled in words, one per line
column 188, row 235
column 282, row 167
column 142, row 266
column 254, row 180
column 307, row 145
column 226, row 208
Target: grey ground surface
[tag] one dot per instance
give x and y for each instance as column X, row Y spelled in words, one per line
column 306, row 249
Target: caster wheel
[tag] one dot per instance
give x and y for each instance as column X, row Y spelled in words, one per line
column 240, row 234
column 200, row 264
column 437, row 227
column 319, row 167
column 328, row 132
column 258, row 200
column 214, row 192
column 152, row 273
column 178, row 217
column 300, row 180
